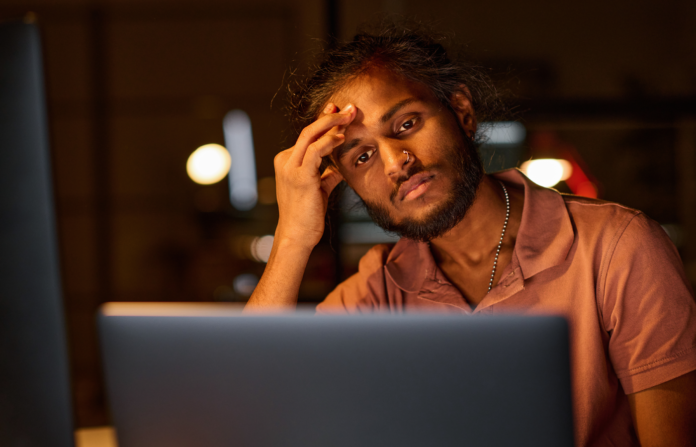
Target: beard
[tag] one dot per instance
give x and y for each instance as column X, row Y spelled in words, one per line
column 467, row 174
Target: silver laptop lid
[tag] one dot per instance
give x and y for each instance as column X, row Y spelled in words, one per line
column 204, row 375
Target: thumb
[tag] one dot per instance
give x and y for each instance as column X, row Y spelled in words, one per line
column 330, row 179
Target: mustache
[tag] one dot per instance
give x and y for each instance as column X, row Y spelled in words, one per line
column 413, row 170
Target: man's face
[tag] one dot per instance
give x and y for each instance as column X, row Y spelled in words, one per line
column 423, row 194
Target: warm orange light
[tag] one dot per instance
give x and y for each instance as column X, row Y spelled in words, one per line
column 586, row 189
column 547, row 171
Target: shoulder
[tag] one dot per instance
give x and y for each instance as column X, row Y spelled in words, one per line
column 363, row 291
column 619, row 232
column 601, row 225
column 594, row 211
column 627, row 226
column 639, row 241
column 375, row 258
column 639, row 263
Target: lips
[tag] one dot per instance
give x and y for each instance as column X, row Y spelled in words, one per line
column 413, row 183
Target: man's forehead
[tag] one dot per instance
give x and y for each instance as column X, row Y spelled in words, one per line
column 378, row 89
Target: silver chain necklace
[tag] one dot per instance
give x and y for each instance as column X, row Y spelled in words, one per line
column 502, row 235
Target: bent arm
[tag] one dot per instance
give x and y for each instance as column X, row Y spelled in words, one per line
column 303, row 194
column 665, row 415
column 280, row 283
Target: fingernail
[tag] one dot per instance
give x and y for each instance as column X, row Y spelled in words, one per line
column 348, row 109
column 328, row 108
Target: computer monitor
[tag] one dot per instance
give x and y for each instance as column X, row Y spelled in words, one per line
column 194, row 375
column 35, row 408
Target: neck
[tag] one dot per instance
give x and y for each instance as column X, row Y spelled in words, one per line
column 472, row 241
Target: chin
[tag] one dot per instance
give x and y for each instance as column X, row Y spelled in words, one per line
column 422, row 210
column 419, row 211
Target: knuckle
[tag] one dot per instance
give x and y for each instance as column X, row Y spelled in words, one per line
column 282, row 156
column 306, row 132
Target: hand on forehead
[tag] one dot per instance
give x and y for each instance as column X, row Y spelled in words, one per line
column 378, row 97
column 375, row 91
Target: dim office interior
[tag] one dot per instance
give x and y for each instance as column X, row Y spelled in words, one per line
column 164, row 117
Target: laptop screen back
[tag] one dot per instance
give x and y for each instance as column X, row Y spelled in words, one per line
column 221, row 379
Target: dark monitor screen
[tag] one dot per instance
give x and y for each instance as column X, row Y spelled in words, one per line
column 35, row 407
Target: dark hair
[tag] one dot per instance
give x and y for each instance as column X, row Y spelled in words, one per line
column 408, row 50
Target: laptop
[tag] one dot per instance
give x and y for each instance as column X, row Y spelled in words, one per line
column 206, row 375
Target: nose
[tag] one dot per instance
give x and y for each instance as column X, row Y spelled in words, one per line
column 395, row 159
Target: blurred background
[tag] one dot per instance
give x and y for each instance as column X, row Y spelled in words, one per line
column 135, row 87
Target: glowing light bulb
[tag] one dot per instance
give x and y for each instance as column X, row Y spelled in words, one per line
column 547, row 172
column 208, row 164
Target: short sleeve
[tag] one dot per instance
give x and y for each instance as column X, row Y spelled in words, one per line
column 647, row 307
column 364, row 291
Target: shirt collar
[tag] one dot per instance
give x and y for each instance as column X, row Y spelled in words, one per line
column 546, row 232
column 409, row 264
column 543, row 240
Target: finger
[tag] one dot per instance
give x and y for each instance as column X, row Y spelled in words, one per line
column 322, row 125
column 317, row 129
column 342, row 127
column 330, row 179
column 330, row 108
column 321, row 148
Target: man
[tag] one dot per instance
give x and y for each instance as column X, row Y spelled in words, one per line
column 396, row 119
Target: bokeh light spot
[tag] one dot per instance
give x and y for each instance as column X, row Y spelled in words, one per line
column 547, row 172
column 245, row 284
column 208, row 164
column 261, row 248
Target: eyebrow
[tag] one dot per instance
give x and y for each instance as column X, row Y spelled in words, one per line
column 395, row 108
column 347, row 147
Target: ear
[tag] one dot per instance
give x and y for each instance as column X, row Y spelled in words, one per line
column 464, row 111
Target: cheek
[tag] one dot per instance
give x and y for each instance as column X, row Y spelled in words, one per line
column 432, row 149
column 370, row 186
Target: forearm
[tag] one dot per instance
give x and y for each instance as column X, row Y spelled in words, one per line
column 280, row 282
column 303, row 194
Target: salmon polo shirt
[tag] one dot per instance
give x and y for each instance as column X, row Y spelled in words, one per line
column 609, row 270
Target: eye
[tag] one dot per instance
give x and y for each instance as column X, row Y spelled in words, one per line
column 364, row 157
column 407, row 125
